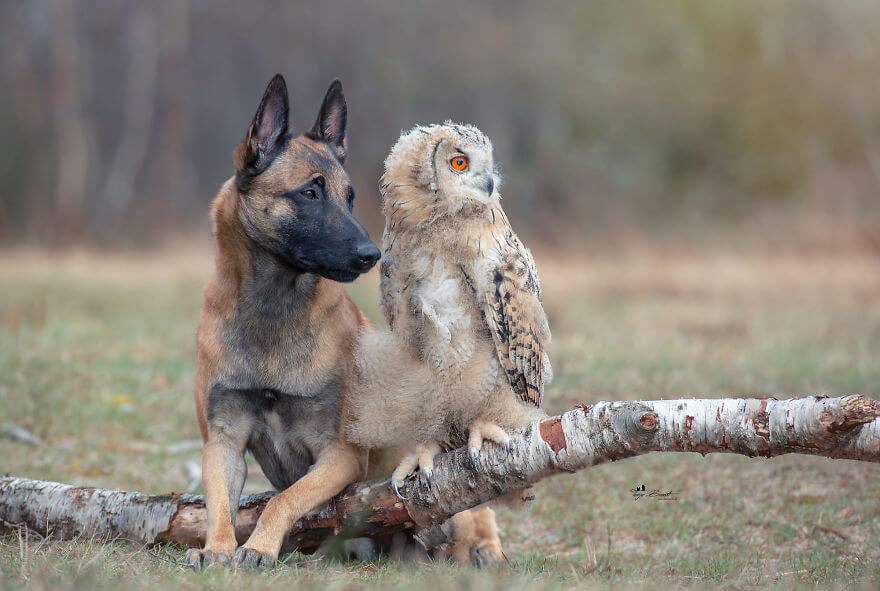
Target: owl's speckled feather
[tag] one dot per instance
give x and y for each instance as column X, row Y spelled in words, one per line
column 517, row 321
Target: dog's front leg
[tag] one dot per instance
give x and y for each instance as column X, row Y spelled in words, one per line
column 223, row 474
column 337, row 466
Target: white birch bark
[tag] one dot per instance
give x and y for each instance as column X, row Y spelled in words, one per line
column 847, row 427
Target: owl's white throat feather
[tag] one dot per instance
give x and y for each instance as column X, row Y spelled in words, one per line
column 439, row 293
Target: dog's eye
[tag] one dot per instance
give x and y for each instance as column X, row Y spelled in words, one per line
column 309, row 194
column 459, row 163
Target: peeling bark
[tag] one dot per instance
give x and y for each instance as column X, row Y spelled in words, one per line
column 846, row 427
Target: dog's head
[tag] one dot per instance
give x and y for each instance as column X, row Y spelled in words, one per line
column 295, row 195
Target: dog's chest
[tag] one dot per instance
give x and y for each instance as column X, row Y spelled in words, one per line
column 280, row 352
column 284, row 432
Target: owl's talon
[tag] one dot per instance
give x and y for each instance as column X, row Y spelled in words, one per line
column 428, row 472
column 395, row 486
column 486, row 430
column 422, row 457
column 474, row 454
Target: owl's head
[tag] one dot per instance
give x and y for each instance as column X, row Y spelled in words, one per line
column 451, row 165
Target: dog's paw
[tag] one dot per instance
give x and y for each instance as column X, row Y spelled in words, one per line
column 485, row 557
column 248, row 558
column 200, row 559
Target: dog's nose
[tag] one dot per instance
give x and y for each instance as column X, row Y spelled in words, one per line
column 367, row 255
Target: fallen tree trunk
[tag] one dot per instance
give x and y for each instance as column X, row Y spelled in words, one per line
column 847, row 427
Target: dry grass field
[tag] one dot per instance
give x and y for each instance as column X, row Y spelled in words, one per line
column 97, row 360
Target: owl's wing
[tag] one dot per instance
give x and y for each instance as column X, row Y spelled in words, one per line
column 394, row 288
column 388, row 292
column 391, row 284
column 517, row 320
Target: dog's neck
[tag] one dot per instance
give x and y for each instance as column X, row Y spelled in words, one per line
column 268, row 279
column 257, row 279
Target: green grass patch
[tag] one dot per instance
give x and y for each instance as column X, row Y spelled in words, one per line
column 100, row 366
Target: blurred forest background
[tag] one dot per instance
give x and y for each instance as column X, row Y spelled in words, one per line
column 751, row 124
column 699, row 180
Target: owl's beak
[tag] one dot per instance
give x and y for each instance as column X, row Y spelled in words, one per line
column 490, row 183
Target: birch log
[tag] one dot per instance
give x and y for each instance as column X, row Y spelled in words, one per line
column 847, row 427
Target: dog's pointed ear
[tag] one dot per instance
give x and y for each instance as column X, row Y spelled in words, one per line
column 332, row 120
column 268, row 129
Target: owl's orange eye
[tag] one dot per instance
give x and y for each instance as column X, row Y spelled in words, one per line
column 459, row 163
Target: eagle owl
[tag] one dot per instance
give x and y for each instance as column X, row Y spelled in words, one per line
column 464, row 357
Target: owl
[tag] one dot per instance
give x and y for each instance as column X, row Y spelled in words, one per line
column 464, row 357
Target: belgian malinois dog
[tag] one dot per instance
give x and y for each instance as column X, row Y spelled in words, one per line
column 275, row 368
column 275, row 372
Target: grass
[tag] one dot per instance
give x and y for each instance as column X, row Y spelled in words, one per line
column 97, row 359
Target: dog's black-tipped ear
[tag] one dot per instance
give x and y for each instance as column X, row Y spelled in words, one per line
column 267, row 131
column 332, row 120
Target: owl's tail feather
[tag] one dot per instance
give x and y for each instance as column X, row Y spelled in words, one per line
column 388, row 408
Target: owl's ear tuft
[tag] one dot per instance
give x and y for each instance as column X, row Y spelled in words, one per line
column 332, row 120
column 266, row 134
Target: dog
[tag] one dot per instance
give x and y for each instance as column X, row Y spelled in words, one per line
column 275, row 372
column 275, row 336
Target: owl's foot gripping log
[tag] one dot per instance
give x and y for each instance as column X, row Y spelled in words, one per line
column 422, row 457
column 482, row 430
column 847, row 427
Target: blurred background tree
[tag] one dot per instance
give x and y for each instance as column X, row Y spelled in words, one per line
column 750, row 123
